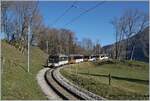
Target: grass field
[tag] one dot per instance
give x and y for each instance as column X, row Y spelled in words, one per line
column 17, row 83
column 129, row 79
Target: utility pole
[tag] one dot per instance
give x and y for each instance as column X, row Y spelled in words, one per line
column 47, row 46
column 29, row 32
column 76, row 75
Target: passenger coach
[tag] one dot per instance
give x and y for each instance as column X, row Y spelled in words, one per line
column 75, row 58
column 57, row 60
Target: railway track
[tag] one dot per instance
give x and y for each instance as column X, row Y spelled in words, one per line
column 58, row 88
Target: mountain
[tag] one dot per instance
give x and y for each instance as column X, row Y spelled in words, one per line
column 140, row 41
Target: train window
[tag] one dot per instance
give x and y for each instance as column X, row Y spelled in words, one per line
column 63, row 58
column 60, row 58
column 53, row 59
column 79, row 57
column 102, row 56
column 76, row 57
column 92, row 56
column 86, row 57
column 66, row 58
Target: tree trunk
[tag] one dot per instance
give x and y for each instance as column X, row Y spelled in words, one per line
column 132, row 52
column 127, row 48
column 116, row 56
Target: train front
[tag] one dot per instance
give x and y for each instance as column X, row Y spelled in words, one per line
column 53, row 61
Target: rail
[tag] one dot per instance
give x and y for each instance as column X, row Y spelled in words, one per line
column 65, row 89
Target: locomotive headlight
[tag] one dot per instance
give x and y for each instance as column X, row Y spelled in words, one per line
column 49, row 64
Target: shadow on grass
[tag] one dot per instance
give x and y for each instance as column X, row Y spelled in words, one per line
column 21, row 66
column 121, row 78
column 45, row 66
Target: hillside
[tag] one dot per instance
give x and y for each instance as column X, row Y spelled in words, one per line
column 17, row 83
column 141, row 51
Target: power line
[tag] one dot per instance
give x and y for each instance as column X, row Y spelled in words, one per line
column 79, row 8
column 84, row 12
column 64, row 13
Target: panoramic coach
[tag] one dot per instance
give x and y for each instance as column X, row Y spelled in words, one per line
column 57, row 60
column 75, row 58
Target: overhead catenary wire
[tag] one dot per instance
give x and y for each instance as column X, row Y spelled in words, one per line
column 84, row 12
column 75, row 6
column 64, row 13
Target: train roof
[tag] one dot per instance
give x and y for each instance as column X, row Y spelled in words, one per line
column 75, row 55
column 59, row 55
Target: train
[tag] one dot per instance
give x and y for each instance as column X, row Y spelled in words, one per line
column 57, row 60
column 61, row 59
column 89, row 58
column 75, row 58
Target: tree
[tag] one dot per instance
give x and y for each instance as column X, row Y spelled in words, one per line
column 6, row 18
column 25, row 15
column 60, row 41
column 119, row 25
column 136, row 21
column 67, row 41
column 97, row 48
column 37, row 24
column 130, row 23
column 26, row 12
column 87, row 45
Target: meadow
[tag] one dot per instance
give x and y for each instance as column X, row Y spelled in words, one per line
column 111, row 79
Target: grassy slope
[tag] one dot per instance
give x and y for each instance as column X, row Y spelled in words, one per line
column 93, row 77
column 17, row 83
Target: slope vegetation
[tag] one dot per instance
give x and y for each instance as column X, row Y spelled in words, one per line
column 17, row 83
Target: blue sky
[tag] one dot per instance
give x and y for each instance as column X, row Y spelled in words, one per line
column 94, row 24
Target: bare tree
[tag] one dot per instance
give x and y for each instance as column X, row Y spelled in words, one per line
column 130, row 23
column 119, row 26
column 23, row 15
column 67, row 41
column 87, row 45
column 136, row 21
column 6, row 19
column 97, row 48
